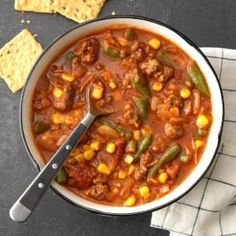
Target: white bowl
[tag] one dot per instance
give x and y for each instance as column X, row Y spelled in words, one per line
column 171, row 34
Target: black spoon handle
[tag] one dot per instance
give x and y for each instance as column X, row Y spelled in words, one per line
column 24, row 206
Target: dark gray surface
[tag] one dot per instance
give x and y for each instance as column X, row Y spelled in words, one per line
column 206, row 22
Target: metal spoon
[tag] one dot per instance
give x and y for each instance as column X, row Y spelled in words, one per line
column 25, row 205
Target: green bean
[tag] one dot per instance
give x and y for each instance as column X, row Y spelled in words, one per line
column 197, row 78
column 69, row 56
column 130, row 34
column 144, row 145
column 143, row 106
column 61, row 176
column 40, row 127
column 168, row 156
column 119, row 129
column 131, row 146
column 165, row 58
column 141, row 87
column 112, row 52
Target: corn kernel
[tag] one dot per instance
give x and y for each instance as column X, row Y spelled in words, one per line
column 157, row 86
column 163, row 177
column 77, row 113
column 185, row 93
column 104, row 169
column 202, row 121
column 130, row 201
column 198, row 143
column 131, row 170
column 115, row 190
column 146, row 132
column 127, row 106
column 144, row 191
column 67, row 77
column 95, row 146
column 112, row 85
column 57, row 92
column 57, row 118
column 111, row 148
column 79, row 157
column 68, row 120
column 97, row 92
column 137, row 135
column 175, row 111
column 129, row 159
column 154, row 43
column 89, row 154
column 45, row 137
column 85, row 147
column 121, row 174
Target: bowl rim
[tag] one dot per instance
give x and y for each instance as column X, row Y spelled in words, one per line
column 214, row 154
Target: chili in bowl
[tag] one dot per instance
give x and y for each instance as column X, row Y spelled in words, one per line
column 166, row 128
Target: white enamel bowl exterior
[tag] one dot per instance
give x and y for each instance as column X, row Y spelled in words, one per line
column 172, row 35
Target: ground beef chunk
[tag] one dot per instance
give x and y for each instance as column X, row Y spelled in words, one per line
column 124, row 52
column 165, row 74
column 173, row 100
column 83, row 175
column 65, row 101
column 77, row 69
column 88, row 51
column 173, row 169
column 132, row 118
column 98, row 191
column 100, row 178
column 168, row 72
column 138, row 51
column 141, row 170
column 146, row 158
column 41, row 102
column 159, row 144
column 150, row 67
column 173, row 131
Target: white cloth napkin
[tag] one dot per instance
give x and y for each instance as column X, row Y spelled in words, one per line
column 210, row 208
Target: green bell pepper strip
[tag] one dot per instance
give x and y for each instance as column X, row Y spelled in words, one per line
column 40, row 127
column 112, row 52
column 130, row 34
column 141, row 87
column 61, row 176
column 168, row 156
column 120, row 130
column 197, row 78
column 143, row 106
column 69, row 56
column 144, row 145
